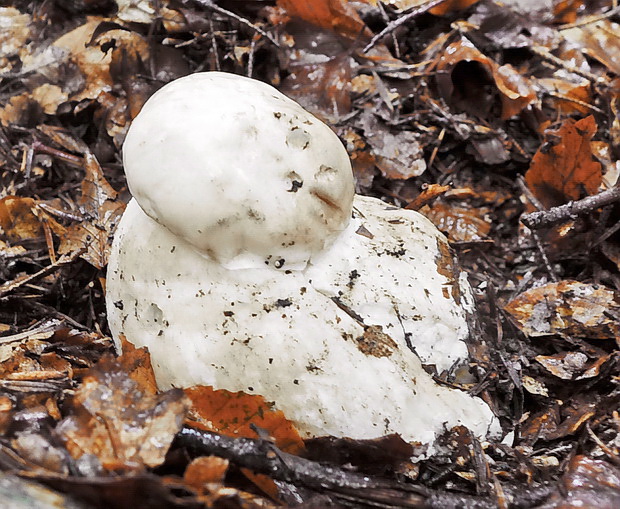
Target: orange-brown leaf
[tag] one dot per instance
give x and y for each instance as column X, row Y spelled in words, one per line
column 336, row 15
column 460, row 224
column 233, row 414
column 452, row 5
column 17, row 218
column 205, row 470
column 567, row 308
column 515, row 90
column 137, row 362
column 564, row 169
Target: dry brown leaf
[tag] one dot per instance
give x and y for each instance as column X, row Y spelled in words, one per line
column 14, row 34
column 17, row 218
column 243, row 415
column 335, row 15
column 587, row 483
column 599, row 40
column 559, row 421
column 460, row 224
column 93, row 62
column 103, row 210
column 397, row 153
column 566, row 96
column 137, row 362
column 566, row 11
column 205, row 470
column 564, row 169
column 21, row 110
column 515, row 90
column 234, row 414
column 114, row 420
column 362, row 160
column 572, row 365
column 322, row 88
column 567, row 308
column 49, row 97
column 22, row 219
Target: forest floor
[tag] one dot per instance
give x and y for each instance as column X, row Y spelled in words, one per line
column 501, row 125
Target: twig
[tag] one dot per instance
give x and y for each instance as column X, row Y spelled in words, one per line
column 545, row 258
column 70, row 159
column 398, row 22
column 263, row 457
column 528, row 193
column 565, row 97
column 214, row 46
column 590, row 19
column 38, row 306
column 19, row 282
column 562, row 64
column 570, row 210
column 45, row 327
column 209, row 4
column 613, row 456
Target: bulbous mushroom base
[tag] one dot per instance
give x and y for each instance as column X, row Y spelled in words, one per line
column 327, row 344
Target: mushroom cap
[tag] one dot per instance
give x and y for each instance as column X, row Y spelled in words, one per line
column 240, row 171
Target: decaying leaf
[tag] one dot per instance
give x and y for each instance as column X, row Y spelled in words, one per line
column 113, row 419
column 600, row 40
column 567, row 308
column 534, row 386
column 397, row 153
column 460, row 224
column 235, row 413
column 102, row 209
column 467, row 86
column 563, row 169
column 322, row 88
column 588, row 483
column 559, row 420
column 337, row 15
column 572, row 365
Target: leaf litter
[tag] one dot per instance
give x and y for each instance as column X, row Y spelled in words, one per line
column 477, row 113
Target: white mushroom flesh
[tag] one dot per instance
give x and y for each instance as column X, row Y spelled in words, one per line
column 269, row 332
column 245, row 263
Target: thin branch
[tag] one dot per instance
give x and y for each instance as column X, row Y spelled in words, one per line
column 563, row 64
column 571, row 210
column 400, row 21
column 263, row 457
column 21, row 281
column 209, row 4
column 590, row 19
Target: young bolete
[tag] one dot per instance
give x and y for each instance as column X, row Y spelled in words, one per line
column 245, row 262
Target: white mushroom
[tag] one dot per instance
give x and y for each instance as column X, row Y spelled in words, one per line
column 242, row 264
column 239, row 171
